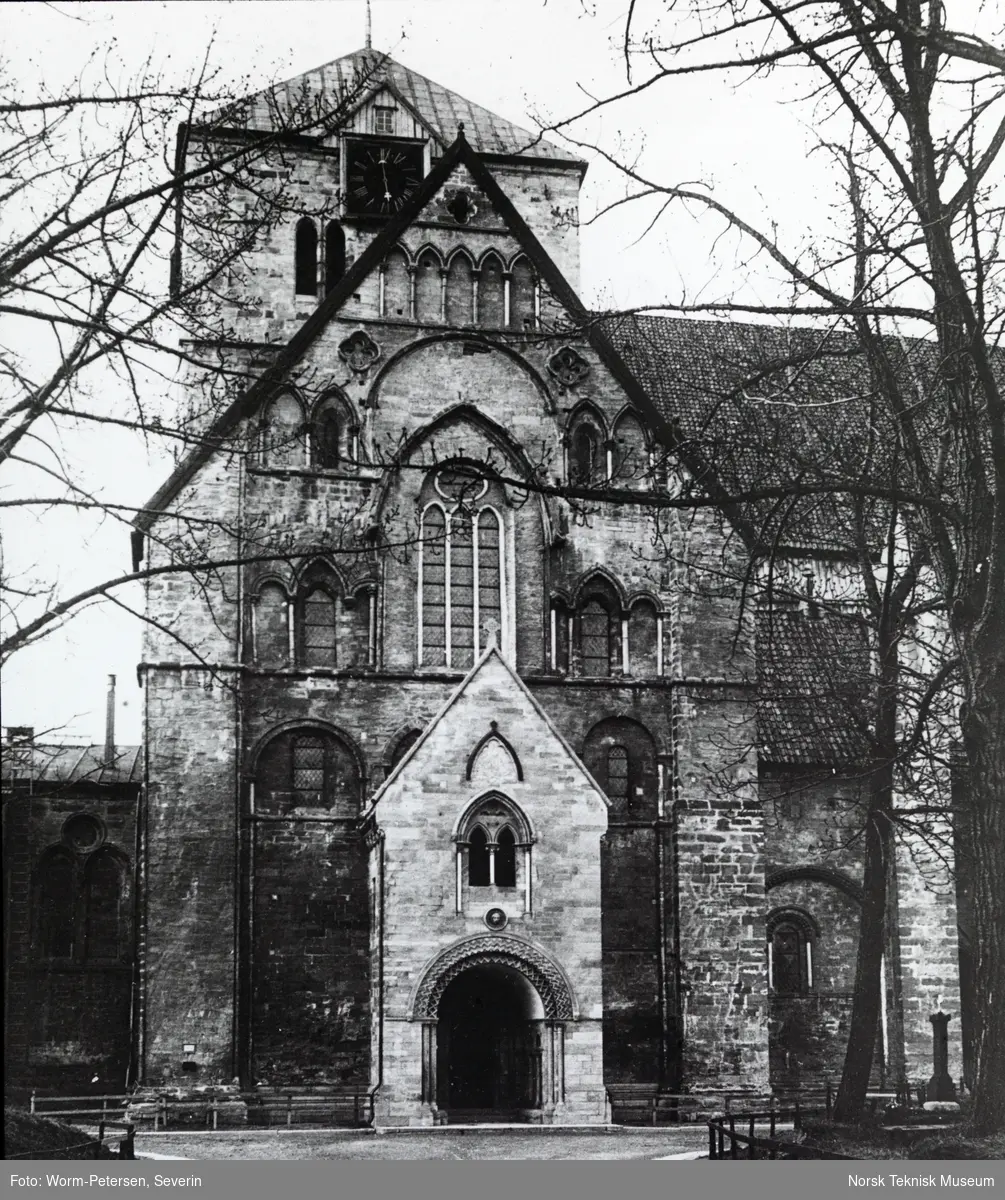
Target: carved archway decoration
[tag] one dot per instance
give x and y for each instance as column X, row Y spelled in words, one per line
column 496, row 950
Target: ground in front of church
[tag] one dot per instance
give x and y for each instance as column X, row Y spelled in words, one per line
column 628, row 1143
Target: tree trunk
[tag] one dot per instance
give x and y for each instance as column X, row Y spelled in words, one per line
column 984, row 735
column 869, row 962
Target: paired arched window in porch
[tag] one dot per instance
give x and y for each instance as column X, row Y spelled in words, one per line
column 493, row 849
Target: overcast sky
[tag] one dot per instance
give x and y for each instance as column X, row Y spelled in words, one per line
column 520, row 58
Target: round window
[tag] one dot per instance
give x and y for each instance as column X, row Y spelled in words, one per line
column 82, row 832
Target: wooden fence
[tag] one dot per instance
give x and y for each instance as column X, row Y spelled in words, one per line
column 325, row 1108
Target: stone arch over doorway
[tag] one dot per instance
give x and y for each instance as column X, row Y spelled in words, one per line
column 540, row 969
column 493, row 1012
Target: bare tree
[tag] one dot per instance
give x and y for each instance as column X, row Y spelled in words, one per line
column 911, row 112
column 101, row 205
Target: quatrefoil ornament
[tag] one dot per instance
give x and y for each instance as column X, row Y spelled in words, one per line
column 568, row 367
column 359, row 351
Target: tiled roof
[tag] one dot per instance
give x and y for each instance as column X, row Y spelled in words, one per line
column 814, row 680
column 51, row 765
column 766, row 406
column 439, row 109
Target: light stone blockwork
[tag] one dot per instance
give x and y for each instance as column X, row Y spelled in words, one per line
column 313, row 912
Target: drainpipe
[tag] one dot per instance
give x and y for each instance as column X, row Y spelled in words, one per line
column 380, row 963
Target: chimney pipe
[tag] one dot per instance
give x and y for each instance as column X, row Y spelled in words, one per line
column 110, row 724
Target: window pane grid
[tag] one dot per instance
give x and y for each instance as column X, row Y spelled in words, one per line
column 596, row 639
column 434, row 592
column 319, row 630
column 617, row 776
column 489, row 577
column 308, row 769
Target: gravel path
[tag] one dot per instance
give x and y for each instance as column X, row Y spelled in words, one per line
column 428, row 1144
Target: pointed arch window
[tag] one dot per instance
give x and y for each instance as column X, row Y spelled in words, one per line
column 491, row 293
column 595, row 638
column 306, row 258
column 54, row 906
column 318, row 629
column 282, row 432
column 586, row 454
column 271, row 627
column 395, row 287
column 102, row 899
column 325, row 437
column 460, row 297
column 645, row 639
column 631, row 452
column 462, row 552
column 334, row 255
column 428, row 288
column 523, row 296
column 478, row 858
column 505, row 856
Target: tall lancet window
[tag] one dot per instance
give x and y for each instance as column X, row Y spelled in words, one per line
column 462, row 569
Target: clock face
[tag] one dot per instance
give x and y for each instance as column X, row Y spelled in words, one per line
column 380, row 177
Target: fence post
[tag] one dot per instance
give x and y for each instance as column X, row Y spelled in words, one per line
column 732, row 1136
column 216, row 1111
column 31, row 1102
column 772, row 1132
column 797, row 1122
column 355, row 1107
column 289, row 1108
column 711, row 1139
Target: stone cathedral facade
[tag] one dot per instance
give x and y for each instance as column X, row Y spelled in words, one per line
column 478, row 804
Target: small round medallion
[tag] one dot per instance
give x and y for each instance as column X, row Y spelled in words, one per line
column 496, row 919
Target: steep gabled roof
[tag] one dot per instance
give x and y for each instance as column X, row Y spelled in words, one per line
column 778, row 407
column 489, row 655
column 460, row 152
column 440, row 111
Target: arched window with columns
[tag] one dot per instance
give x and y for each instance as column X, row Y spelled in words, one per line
column 429, row 287
column 491, row 292
column 395, row 287
column 493, row 844
column 522, row 295
column 460, row 293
